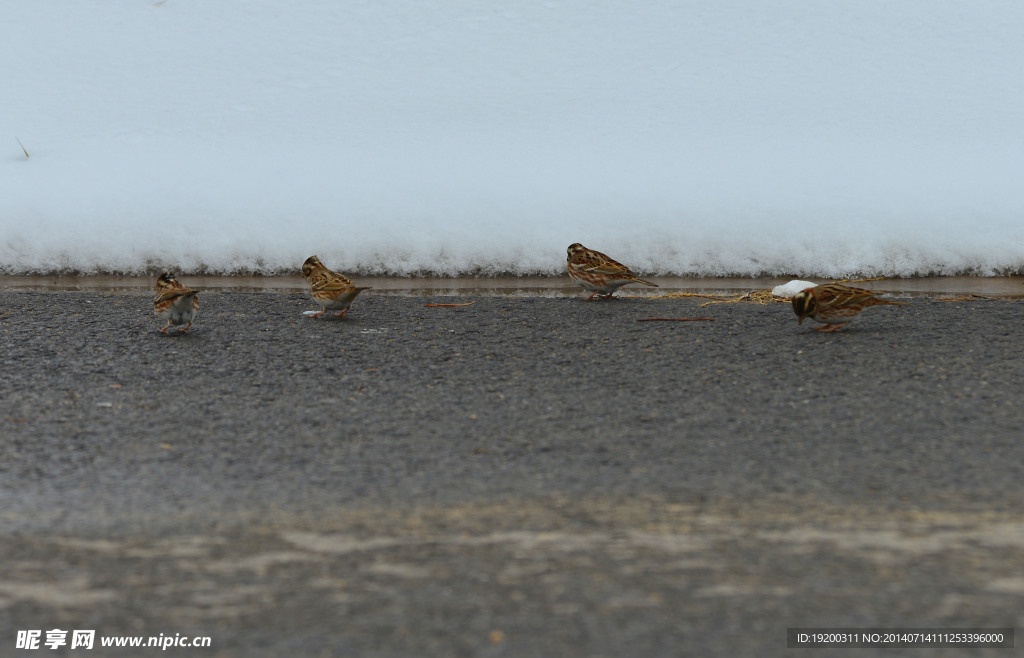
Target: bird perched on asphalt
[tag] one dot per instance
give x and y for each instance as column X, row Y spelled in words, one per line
column 175, row 302
column 331, row 290
column 598, row 273
column 834, row 305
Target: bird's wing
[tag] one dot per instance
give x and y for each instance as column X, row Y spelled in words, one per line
column 598, row 263
column 172, row 292
column 835, row 295
column 328, row 280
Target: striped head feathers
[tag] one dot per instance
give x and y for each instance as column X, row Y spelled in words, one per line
column 311, row 264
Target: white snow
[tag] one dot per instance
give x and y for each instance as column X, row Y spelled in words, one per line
column 791, row 288
column 822, row 139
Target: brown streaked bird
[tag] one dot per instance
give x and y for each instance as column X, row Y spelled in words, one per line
column 598, row 273
column 835, row 305
column 331, row 290
column 175, row 303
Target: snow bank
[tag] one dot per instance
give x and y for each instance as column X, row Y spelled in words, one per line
column 823, row 140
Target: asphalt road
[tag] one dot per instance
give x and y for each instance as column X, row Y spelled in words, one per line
column 519, row 477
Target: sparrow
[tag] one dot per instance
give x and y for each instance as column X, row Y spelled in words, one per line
column 834, row 305
column 174, row 302
column 598, row 273
column 331, row 290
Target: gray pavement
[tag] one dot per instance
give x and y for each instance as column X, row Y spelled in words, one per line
column 519, row 477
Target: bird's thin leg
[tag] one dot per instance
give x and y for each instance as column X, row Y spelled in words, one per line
column 316, row 315
column 164, row 330
column 591, row 298
column 830, row 328
column 181, row 331
column 342, row 314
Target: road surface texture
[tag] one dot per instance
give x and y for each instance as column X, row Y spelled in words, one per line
column 518, row 477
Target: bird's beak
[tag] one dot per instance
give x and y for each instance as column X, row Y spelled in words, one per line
column 800, row 320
